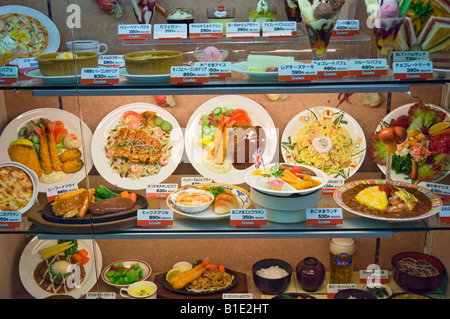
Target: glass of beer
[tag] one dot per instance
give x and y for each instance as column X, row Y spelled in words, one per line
column 342, row 251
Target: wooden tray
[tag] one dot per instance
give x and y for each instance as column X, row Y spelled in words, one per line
column 163, row 293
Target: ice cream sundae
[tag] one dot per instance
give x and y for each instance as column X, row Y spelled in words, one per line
column 220, row 15
column 262, row 13
column 320, row 19
column 386, row 18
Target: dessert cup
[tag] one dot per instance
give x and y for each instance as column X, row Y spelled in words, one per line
column 261, row 17
column 386, row 31
column 319, row 33
column 220, row 16
column 181, row 15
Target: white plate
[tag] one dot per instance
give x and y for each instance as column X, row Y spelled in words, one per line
column 403, row 110
column 158, row 78
column 209, row 214
column 53, row 33
column 257, row 114
column 348, row 122
column 31, row 257
column 72, row 124
column 109, row 122
column 241, row 67
column 36, row 74
column 259, row 183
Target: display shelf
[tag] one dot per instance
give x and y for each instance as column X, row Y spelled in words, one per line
column 234, row 85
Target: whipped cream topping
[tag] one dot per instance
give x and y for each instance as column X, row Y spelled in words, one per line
column 220, row 14
column 262, row 6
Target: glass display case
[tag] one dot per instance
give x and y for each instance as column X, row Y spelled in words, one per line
column 151, row 145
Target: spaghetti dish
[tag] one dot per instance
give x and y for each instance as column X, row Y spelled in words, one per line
column 139, row 145
column 323, row 145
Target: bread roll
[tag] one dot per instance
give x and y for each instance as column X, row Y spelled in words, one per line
column 225, row 202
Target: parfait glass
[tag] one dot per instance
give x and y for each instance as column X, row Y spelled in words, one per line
column 386, row 31
column 319, row 33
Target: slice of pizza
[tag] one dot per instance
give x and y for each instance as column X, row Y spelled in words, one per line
column 28, row 33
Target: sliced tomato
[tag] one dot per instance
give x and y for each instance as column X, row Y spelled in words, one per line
column 131, row 117
column 60, row 134
column 58, row 124
column 240, row 120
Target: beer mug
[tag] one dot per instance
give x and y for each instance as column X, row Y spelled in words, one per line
column 342, row 251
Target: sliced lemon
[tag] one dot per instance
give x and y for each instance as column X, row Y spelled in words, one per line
column 438, row 127
column 23, row 141
column 183, row 265
column 172, row 273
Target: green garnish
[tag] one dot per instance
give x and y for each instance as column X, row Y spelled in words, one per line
column 421, row 10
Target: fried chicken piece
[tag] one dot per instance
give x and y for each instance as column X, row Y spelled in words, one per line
column 27, row 156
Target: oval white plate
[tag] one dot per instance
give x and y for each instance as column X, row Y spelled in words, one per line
column 36, row 74
column 31, row 257
column 71, row 122
column 258, row 183
column 320, row 113
column 436, row 202
column 257, row 114
column 209, row 213
column 109, row 122
column 158, row 78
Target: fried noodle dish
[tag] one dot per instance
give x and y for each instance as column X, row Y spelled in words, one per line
column 139, row 145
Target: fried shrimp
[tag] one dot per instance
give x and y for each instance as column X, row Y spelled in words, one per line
column 44, row 150
column 54, row 156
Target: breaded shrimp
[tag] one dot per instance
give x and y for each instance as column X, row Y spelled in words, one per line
column 54, row 156
column 44, row 152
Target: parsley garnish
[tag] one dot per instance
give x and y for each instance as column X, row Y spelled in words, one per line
column 421, row 10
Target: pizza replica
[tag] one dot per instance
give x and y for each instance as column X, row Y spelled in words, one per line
column 27, row 33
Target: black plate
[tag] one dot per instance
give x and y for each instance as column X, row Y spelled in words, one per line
column 293, row 295
column 48, row 215
column 185, row 291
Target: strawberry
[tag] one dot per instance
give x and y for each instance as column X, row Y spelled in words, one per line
column 111, row 6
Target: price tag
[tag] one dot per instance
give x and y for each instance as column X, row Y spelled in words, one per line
column 444, row 214
column 279, row 29
column 54, row 191
column 189, row 74
column 332, row 68
column 160, row 190
column 186, row 181
column 409, row 56
column 242, row 29
column 333, row 289
column 205, row 30
column 170, row 31
column 299, row 72
column 9, row 74
column 417, row 70
column 441, row 190
column 134, row 31
column 346, row 28
column 332, row 184
column 154, row 217
column 373, row 277
column 100, row 295
column 217, row 70
column 368, row 67
column 115, row 61
column 100, row 76
column 324, row 216
column 10, row 219
column 26, row 64
column 248, row 217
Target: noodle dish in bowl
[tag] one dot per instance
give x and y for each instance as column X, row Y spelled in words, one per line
column 325, row 138
column 281, row 179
